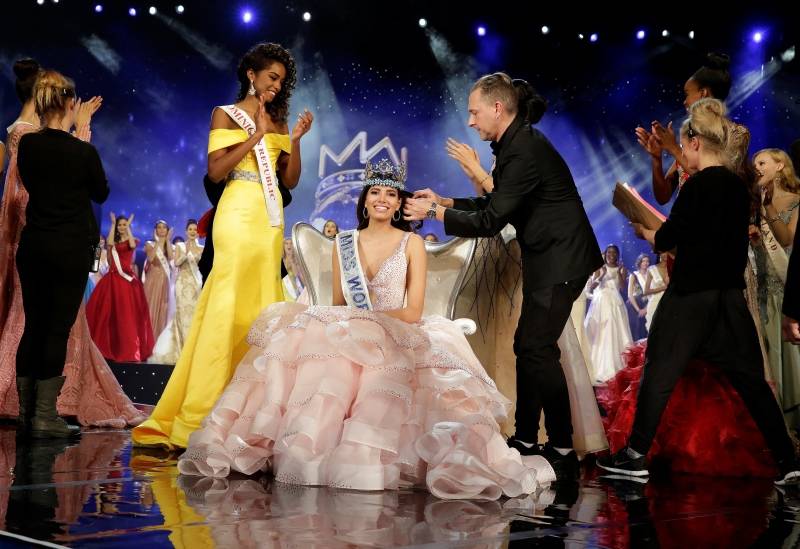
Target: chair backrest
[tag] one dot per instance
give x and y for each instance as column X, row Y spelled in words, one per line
column 314, row 251
column 447, row 267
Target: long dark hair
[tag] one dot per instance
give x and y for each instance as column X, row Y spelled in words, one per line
column 402, row 224
column 258, row 58
column 166, row 241
column 531, row 106
column 117, row 238
column 27, row 71
column 715, row 75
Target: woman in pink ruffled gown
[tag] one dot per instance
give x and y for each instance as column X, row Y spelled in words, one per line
column 366, row 398
column 91, row 392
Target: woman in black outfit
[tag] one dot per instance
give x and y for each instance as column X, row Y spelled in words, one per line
column 62, row 175
column 703, row 313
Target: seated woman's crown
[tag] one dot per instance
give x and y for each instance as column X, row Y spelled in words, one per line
column 386, row 174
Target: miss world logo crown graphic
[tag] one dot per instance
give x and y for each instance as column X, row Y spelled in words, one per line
column 337, row 193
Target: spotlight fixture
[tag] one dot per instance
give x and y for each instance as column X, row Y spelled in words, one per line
column 788, row 55
column 247, row 16
column 593, row 37
column 306, row 16
column 40, row 2
column 580, row 37
column 665, row 33
column 132, row 12
column 179, row 8
column 691, row 35
column 152, row 10
column 758, row 36
column 422, row 22
column 481, row 30
column 98, row 8
column 640, row 34
column 545, row 29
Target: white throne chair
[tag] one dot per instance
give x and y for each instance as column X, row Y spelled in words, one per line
column 447, row 267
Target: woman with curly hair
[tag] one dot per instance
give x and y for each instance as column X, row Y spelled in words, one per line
column 249, row 142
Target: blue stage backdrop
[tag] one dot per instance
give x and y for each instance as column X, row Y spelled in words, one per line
column 397, row 93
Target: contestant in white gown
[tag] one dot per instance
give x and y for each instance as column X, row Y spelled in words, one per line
column 607, row 326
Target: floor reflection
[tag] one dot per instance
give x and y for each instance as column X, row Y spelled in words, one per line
column 96, row 492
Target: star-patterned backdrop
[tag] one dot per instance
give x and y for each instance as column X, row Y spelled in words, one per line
column 388, row 88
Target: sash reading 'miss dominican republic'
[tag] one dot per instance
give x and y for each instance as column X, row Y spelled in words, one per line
column 354, row 283
column 269, row 183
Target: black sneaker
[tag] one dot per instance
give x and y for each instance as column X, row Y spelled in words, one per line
column 523, row 448
column 624, row 464
column 566, row 467
column 789, row 473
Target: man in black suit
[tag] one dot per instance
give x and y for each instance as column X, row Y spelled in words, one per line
column 533, row 191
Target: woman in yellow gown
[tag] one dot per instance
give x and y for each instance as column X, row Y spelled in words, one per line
column 246, row 273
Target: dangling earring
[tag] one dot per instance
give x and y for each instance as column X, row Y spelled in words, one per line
column 366, row 213
column 398, row 215
column 252, row 90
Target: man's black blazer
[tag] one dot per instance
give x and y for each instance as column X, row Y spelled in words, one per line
column 533, row 191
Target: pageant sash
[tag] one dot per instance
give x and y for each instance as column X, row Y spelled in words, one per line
column 354, row 283
column 163, row 260
column 641, row 281
column 269, row 183
column 192, row 261
column 658, row 281
column 115, row 257
column 777, row 255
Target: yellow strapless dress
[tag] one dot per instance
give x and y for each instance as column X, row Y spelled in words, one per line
column 244, row 280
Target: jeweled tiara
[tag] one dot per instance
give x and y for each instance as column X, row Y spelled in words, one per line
column 386, row 174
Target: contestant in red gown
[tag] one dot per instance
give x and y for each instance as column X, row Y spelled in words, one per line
column 119, row 318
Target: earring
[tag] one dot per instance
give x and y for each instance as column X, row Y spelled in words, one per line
column 252, row 90
column 398, row 215
column 366, row 213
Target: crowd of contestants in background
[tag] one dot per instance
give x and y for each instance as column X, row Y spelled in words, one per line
column 140, row 303
column 147, row 318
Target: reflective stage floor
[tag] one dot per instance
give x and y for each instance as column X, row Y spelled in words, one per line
column 98, row 492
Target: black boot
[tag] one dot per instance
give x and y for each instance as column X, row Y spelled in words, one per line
column 25, row 392
column 46, row 423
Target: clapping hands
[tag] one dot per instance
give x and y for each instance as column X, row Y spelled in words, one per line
column 84, row 110
column 465, row 155
column 304, row 121
column 658, row 139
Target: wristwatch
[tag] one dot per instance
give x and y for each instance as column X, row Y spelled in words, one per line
column 431, row 214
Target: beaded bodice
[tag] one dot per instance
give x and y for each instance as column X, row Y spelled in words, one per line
column 387, row 289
